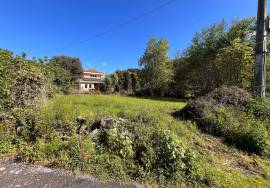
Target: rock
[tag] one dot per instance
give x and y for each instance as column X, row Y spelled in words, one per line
column 19, row 130
column 94, row 132
column 82, row 125
column 106, row 123
column 80, row 120
column 83, row 129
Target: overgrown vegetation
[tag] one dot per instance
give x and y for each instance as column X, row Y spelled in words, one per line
column 126, row 139
column 231, row 114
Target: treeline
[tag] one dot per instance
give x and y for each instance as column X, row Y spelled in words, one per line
column 219, row 55
column 124, row 82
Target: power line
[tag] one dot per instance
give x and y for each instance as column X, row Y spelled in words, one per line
column 113, row 28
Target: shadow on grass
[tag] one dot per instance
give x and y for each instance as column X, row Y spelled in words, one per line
column 178, row 115
column 162, row 99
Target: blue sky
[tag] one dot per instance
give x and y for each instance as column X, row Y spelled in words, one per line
column 37, row 27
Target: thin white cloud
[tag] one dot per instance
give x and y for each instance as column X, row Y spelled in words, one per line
column 104, row 64
column 87, row 65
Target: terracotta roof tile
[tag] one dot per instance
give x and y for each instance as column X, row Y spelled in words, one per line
column 92, row 71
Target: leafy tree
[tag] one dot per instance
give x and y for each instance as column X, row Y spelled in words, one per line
column 156, row 73
column 71, row 64
column 235, row 65
column 108, row 84
column 61, row 77
column 201, row 56
column 244, row 29
column 182, row 76
column 135, row 82
column 126, row 81
column 217, row 56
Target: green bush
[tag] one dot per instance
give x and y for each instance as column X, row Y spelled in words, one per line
column 117, row 142
column 147, row 151
column 260, row 108
column 223, row 113
column 109, row 166
column 163, row 154
column 25, row 123
column 170, row 154
column 239, row 130
column 6, row 142
column 74, row 153
column 27, row 153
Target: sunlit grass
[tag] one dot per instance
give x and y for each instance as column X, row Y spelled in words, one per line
column 93, row 107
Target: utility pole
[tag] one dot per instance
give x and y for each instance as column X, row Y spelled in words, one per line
column 261, row 50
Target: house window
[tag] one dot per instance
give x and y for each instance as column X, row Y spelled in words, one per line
column 85, row 86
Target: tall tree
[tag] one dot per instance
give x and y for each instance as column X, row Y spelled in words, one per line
column 71, row 64
column 219, row 55
column 156, row 67
column 235, row 65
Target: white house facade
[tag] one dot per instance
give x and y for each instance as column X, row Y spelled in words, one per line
column 90, row 80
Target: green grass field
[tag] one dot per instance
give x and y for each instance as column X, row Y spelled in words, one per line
column 217, row 165
column 94, row 107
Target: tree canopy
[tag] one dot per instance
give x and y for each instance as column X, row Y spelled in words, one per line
column 156, row 67
column 71, row 64
column 219, row 55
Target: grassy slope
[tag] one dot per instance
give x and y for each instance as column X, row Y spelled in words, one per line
column 219, row 165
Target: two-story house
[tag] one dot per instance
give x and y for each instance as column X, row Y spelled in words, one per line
column 90, row 80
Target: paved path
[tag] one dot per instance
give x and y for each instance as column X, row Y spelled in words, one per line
column 13, row 175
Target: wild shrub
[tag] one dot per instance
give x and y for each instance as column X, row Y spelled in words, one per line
column 27, row 153
column 25, row 123
column 223, row 113
column 25, row 82
column 74, row 153
column 110, row 166
column 260, row 109
column 229, row 96
column 117, row 142
column 147, row 151
column 170, row 154
column 162, row 153
column 7, row 136
column 224, row 96
column 239, row 130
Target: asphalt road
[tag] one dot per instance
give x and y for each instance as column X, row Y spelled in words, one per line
column 13, row 175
